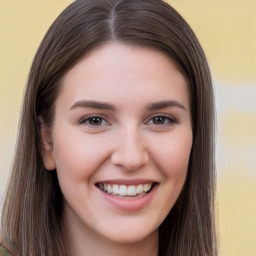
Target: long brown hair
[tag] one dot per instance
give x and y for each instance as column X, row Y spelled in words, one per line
column 32, row 212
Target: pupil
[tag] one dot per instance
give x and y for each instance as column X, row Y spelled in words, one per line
column 95, row 121
column 159, row 120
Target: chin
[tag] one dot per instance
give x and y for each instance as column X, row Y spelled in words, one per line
column 125, row 236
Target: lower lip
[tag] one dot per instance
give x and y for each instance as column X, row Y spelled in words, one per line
column 130, row 204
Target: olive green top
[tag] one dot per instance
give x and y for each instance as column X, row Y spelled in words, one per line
column 4, row 251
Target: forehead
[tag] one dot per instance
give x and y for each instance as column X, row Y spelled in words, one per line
column 118, row 71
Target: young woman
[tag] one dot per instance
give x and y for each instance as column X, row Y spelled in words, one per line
column 115, row 154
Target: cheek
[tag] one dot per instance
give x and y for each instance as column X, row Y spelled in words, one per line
column 173, row 155
column 78, row 156
column 171, row 158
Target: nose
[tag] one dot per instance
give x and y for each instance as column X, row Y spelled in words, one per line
column 130, row 151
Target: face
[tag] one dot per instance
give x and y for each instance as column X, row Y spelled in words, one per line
column 120, row 142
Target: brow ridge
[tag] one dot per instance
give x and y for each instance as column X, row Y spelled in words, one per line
column 92, row 104
column 165, row 104
column 107, row 106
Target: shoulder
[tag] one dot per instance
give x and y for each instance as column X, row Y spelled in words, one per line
column 4, row 251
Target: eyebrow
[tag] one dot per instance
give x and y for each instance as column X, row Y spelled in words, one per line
column 92, row 104
column 165, row 104
column 107, row 106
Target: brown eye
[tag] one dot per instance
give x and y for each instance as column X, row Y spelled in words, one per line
column 159, row 120
column 162, row 120
column 95, row 120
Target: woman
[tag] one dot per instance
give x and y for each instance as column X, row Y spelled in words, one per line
column 115, row 154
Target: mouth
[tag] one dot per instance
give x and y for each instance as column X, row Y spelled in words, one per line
column 126, row 191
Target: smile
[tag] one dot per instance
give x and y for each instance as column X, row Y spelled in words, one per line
column 125, row 191
column 128, row 195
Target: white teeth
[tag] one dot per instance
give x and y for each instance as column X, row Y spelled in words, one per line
column 109, row 188
column 115, row 189
column 131, row 191
column 139, row 189
column 123, row 190
column 146, row 187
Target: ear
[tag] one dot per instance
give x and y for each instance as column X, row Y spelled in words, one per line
column 46, row 145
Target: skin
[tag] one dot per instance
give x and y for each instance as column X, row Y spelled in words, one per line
column 126, row 142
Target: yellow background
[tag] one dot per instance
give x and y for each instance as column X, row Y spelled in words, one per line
column 227, row 32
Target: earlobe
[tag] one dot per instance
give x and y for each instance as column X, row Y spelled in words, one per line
column 46, row 145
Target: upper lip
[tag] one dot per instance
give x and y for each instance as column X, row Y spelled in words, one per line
column 127, row 181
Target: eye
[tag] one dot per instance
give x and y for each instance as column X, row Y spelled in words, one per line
column 162, row 120
column 159, row 120
column 93, row 121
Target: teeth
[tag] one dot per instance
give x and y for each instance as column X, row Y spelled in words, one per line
column 139, row 189
column 131, row 191
column 101, row 186
column 146, row 187
column 115, row 189
column 109, row 189
column 123, row 190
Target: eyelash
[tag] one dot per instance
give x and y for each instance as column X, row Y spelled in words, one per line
column 168, row 120
column 86, row 120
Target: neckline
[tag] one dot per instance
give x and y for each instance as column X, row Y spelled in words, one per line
column 5, row 247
